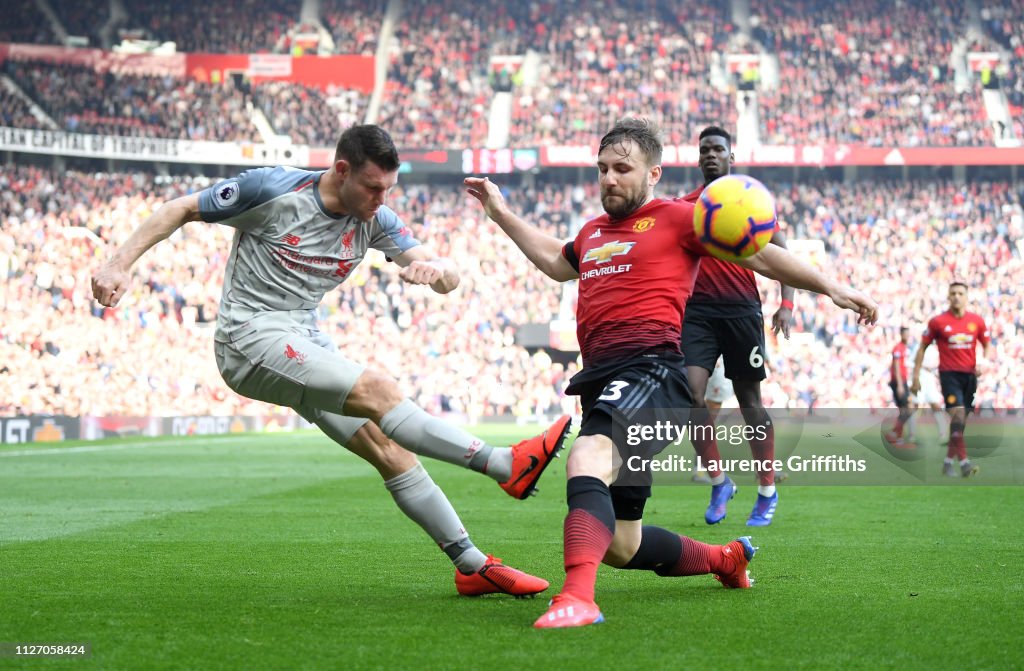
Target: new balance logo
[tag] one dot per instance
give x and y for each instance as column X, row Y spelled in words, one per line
column 343, row 269
column 291, row 239
column 474, row 447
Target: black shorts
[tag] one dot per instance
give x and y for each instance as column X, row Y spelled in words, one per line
column 958, row 388
column 902, row 400
column 639, row 390
column 739, row 340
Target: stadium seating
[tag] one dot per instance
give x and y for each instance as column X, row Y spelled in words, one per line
column 153, row 354
column 24, row 22
column 354, row 26
column 80, row 99
column 242, row 27
column 866, row 73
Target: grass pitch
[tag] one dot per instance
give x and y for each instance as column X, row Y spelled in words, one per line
column 284, row 552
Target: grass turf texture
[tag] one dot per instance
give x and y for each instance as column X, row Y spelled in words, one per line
column 282, row 551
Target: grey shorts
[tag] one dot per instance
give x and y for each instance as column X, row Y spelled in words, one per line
column 296, row 367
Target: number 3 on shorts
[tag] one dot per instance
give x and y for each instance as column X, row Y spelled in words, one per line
column 613, row 391
column 756, row 360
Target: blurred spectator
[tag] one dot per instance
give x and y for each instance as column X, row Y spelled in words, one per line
column 306, row 114
column 83, row 18
column 236, row 27
column 354, row 25
column 870, row 72
column 82, row 100
column 14, row 111
column 24, row 22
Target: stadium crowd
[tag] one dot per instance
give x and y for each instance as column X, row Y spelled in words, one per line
column 14, row 111
column 83, row 18
column 153, row 354
column 80, row 99
column 25, row 22
column 239, row 27
column 612, row 58
column 868, row 73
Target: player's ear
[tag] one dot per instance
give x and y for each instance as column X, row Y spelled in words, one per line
column 342, row 168
column 654, row 175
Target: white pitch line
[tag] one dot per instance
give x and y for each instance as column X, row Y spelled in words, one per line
column 126, row 446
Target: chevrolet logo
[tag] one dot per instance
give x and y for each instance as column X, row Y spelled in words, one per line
column 605, row 252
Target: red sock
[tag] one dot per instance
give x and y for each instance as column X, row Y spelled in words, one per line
column 696, row 559
column 956, row 439
column 587, row 539
column 764, row 451
column 705, row 445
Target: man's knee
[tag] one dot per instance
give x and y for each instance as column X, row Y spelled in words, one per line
column 592, row 456
column 373, row 395
column 624, row 545
column 390, row 460
column 697, row 378
column 748, row 394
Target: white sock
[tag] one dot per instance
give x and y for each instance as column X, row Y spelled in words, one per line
column 718, row 479
column 424, row 503
column 766, row 491
column 912, row 424
column 411, row 427
column 940, row 421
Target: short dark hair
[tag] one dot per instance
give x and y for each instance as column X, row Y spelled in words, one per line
column 367, row 142
column 717, row 131
column 958, row 284
column 643, row 132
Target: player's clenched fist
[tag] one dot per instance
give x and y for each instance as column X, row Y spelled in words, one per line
column 422, row 272
column 109, row 285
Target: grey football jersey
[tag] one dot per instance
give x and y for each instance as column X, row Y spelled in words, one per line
column 288, row 249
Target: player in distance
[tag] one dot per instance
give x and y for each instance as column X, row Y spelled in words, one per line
column 723, row 319
column 900, row 386
column 957, row 333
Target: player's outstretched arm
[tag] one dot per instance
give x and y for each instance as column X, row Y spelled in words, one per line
column 110, row 282
column 779, row 264
column 545, row 251
column 783, row 317
column 420, row 265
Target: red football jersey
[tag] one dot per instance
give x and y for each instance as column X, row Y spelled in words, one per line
column 899, row 360
column 957, row 340
column 636, row 275
column 720, row 281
